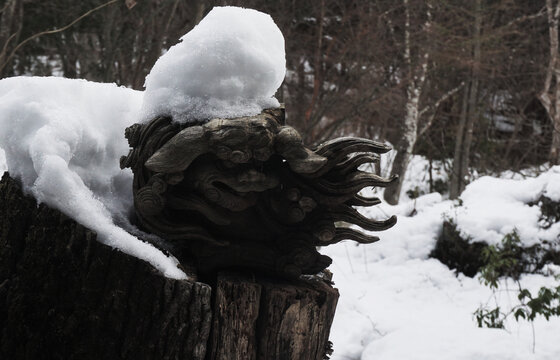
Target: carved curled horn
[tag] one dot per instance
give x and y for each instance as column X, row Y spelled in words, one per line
column 179, row 152
column 347, row 145
column 289, row 144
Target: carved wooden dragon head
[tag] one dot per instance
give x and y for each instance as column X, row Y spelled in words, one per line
column 246, row 192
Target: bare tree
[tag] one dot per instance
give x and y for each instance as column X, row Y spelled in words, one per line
column 550, row 95
column 469, row 113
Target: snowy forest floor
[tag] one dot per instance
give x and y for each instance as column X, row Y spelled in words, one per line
column 398, row 303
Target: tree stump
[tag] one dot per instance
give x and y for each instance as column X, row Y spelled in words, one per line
column 265, row 319
column 64, row 295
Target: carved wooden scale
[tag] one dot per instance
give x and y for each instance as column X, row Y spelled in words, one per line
column 247, row 193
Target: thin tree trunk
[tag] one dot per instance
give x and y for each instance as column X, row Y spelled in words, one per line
column 551, row 102
column 473, row 112
column 554, row 156
column 410, row 125
column 317, row 75
column 456, row 173
column 469, row 114
column 471, row 119
column 404, row 151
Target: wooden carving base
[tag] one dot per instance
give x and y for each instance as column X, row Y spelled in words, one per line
column 64, row 295
column 261, row 319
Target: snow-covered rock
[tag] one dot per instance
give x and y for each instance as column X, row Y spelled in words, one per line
column 493, row 207
column 229, row 65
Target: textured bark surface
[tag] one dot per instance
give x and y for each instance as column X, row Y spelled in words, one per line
column 271, row 319
column 64, row 295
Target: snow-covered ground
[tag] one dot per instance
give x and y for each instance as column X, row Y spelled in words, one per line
column 397, row 303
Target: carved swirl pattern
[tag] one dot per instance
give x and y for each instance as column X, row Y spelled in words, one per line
column 246, row 192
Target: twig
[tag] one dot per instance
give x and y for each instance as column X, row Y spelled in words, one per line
column 48, row 32
column 445, row 96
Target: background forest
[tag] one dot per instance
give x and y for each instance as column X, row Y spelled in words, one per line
column 471, row 85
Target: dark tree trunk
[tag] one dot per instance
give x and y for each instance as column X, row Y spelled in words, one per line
column 64, row 295
column 271, row 320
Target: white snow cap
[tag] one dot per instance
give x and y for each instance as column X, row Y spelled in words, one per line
column 229, row 65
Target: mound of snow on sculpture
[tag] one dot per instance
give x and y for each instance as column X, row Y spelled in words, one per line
column 229, row 65
column 63, row 139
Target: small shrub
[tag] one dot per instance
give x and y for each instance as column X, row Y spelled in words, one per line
column 414, row 193
column 511, row 259
column 503, row 262
column 550, row 211
column 441, row 186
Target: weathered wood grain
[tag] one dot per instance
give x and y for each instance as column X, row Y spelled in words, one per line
column 271, row 319
column 64, row 295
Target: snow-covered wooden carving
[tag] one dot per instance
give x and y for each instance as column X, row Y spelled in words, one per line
column 246, row 192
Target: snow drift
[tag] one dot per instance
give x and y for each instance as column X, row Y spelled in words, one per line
column 397, row 303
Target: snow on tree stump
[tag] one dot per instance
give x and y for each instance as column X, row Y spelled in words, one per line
column 64, row 295
column 242, row 200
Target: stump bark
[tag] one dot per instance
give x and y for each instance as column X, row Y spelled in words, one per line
column 64, row 295
column 266, row 319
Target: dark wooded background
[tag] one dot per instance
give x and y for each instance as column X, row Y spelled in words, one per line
column 468, row 82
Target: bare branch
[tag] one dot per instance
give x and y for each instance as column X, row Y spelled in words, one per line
column 524, row 18
column 445, row 96
column 5, row 7
column 48, row 32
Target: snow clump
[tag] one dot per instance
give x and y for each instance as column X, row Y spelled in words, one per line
column 493, row 207
column 229, row 65
column 63, row 139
